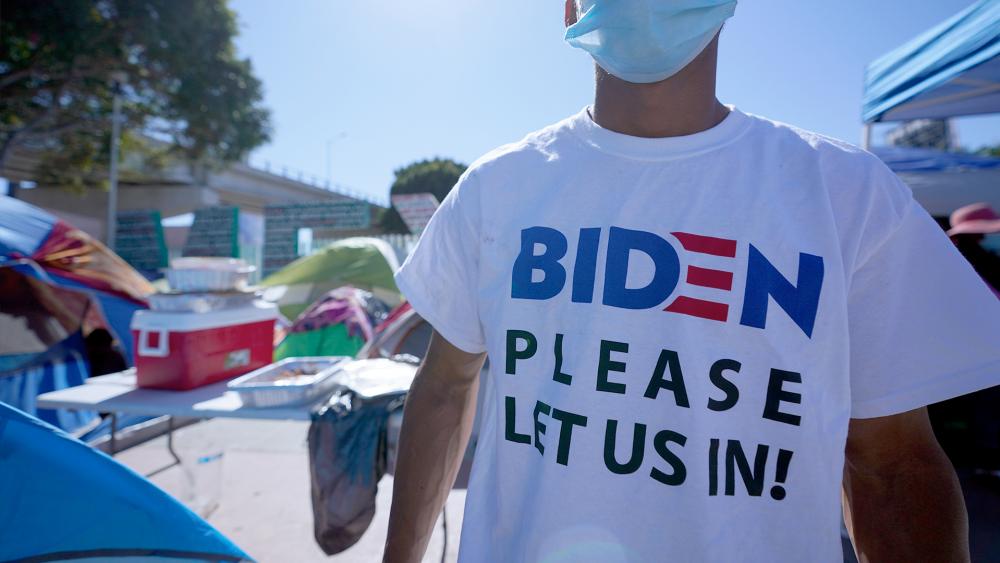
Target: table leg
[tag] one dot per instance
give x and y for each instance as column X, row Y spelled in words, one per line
column 444, row 530
column 113, row 449
column 170, row 449
column 170, row 441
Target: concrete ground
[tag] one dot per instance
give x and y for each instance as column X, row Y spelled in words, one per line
column 262, row 484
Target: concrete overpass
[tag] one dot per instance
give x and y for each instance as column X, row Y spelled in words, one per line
column 175, row 190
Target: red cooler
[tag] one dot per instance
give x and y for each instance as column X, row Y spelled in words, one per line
column 187, row 350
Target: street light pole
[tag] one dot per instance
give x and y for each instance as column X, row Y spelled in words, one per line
column 329, row 146
column 116, row 114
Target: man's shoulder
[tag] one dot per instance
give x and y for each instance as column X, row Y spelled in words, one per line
column 834, row 157
column 856, row 181
column 534, row 149
column 822, row 145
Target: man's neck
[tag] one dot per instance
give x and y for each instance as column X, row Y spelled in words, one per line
column 683, row 104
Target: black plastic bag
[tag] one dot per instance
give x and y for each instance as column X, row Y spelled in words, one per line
column 347, row 458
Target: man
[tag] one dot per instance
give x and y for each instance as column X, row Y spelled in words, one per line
column 701, row 324
column 970, row 225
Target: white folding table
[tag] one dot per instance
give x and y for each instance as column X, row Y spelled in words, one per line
column 117, row 393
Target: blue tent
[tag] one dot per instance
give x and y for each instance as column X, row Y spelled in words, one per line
column 944, row 181
column 53, row 275
column 38, row 244
column 63, row 500
column 950, row 70
column 24, row 377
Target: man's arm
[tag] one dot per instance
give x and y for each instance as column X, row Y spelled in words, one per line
column 437, row 421
column 902, row 500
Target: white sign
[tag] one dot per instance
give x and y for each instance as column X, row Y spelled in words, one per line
column 415, row 209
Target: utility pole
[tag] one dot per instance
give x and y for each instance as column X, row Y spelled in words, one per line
column 116, row 126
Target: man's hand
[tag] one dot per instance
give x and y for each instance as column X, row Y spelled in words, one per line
column 437, row 421
column 902, row 500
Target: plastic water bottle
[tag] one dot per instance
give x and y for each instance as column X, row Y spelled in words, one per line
column 203, row 474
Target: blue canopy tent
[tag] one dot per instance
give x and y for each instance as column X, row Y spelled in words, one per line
column 63, row 500
column 943, row 181
column 950, row 70
column 909, row 160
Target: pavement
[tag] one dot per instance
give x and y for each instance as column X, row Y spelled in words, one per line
column 261, row 484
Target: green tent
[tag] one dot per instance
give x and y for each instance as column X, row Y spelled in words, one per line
column 333, row 340
column 362, row 262
column 335, row 325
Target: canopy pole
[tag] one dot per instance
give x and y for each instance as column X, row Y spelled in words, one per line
column 866, row 136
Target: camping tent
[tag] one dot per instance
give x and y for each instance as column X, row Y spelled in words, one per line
column 42, row 348
column 64, row 500
column 365, row 263
column 943, row 181
column 58, row 285
column 38, row 244
column 950, row 70
column 338, row 324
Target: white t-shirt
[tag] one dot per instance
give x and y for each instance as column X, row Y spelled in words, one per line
column 680, row 330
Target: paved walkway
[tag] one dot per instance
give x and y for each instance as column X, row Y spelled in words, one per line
column 262, row 480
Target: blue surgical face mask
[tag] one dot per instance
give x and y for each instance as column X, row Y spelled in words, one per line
column 647, row 41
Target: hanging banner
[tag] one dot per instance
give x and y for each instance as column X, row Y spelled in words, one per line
column 415, row 209
column 139, row 240
column 214, row 232
column 282, row 224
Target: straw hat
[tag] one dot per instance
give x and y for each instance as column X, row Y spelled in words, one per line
column 975, row 219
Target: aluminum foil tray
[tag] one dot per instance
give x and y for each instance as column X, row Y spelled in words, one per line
column 290, row 381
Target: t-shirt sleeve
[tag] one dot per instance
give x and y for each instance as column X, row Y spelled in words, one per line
column 440, row 277
column 924, row 327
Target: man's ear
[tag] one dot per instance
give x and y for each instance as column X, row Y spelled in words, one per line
column 570, row 17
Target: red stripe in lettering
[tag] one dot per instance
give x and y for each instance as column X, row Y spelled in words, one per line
column 699, row 308
column 707, row 277
column 707, row 245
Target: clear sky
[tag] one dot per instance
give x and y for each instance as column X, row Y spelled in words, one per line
column 385, row 82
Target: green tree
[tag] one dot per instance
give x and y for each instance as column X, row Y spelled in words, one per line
column 185, row 87
column 989, row 151
column 436, row 176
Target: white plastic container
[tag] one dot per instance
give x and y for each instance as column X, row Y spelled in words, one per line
column 209, row 274
column 200, row 302
column 269, row 386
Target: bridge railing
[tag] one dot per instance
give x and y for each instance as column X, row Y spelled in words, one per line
column 315, row 181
